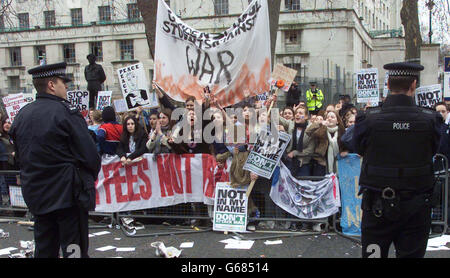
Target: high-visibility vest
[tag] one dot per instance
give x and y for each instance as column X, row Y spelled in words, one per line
column 316, row 103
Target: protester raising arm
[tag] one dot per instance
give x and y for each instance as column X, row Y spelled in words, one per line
column 163, row 99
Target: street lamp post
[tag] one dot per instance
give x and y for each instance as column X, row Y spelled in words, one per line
column 430, row 5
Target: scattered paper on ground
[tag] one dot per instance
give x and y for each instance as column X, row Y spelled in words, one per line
column 240, row 244
column 438, row 241
column 187, row 245
column 125, row 249
column 7, row 251
column 273, row 242
column 117, row 238
column 439, row 248
column 227, row 241
column 101, row 233
column 91, row 235
column 105, row 248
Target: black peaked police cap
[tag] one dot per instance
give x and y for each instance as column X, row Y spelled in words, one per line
column 51, row 70
column 403, row 69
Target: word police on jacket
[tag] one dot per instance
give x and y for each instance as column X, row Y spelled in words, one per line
column 400, row 126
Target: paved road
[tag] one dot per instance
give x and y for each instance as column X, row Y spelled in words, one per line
column 208, row 245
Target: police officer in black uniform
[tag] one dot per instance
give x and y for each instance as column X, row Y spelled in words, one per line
column 58, row 165
column 397, row 142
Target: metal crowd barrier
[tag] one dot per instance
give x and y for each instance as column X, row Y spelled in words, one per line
column 440, row 216
column 198, row 211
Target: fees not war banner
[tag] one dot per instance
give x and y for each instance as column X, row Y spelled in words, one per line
column 232, row 63
column 164, row 180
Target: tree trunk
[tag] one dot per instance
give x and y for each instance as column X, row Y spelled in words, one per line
column 274, row 15
column 410, row 19
column 148, row 11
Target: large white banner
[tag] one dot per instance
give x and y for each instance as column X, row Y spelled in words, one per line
column 169, row 179
column 232, row 63
column 304, row 198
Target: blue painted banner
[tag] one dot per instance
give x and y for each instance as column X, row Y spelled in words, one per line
column 349, row 168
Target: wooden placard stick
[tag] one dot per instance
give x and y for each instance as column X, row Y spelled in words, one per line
column 250, row 187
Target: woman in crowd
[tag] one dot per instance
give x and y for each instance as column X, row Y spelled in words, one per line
column 346, row 139
column 330, row 107
column 152, row 121
column 188, row 144
column 7, row 160
column 301, row 146
column 158, row 142
column 132, row 141
column 288, row 113
column 326, row 135
column 109, row 133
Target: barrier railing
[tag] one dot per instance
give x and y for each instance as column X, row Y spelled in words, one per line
column 191, row 213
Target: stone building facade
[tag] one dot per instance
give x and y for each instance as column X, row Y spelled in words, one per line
column 326, row 41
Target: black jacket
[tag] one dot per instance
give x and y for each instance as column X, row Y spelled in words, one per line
column 55, row 153
column 397, row 142
column 123, row 148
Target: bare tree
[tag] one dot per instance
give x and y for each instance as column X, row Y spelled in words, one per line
column 274, row 15
column 148, row 11
column 409, row 15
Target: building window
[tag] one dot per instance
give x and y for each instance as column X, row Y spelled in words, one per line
column 13, row 84
column 292, row 5
column 24, row 21
column 220, row 7
column 104, row 13
column 69, row 52
column 96, row 48
column 126, row 50
column 77, row 17
column 291, row 37
column 15, row 56
column 39, row 54
column 133, row 11
column 50, row 19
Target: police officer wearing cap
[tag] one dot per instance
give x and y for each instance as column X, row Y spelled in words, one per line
column 397, row 143
column 58, row 165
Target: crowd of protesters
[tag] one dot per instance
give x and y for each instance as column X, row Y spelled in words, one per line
column 319, row 137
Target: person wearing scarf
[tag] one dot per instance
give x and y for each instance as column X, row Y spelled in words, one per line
column 158, row 142
column 326, row 135
column 301, row 147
